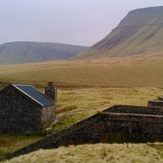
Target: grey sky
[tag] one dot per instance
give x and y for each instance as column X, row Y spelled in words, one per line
column 78, row 22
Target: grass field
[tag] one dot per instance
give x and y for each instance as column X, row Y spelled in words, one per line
column 10, row 143
column 75, row 104
column 98, row 153
column 115, row 72
column 84, row 88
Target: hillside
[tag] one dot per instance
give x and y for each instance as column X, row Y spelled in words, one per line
column 22, row 52
column 115, row 72
column 139, row 33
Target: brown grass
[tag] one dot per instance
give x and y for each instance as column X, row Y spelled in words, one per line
column 65, row 109
column 85, row 88
column 115, row 72
column 98, row 153
column 76, row 104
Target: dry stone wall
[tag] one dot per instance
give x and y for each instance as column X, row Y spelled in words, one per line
column 47, row 116
column 115, row 124
column 158, row 102
column 135, row 110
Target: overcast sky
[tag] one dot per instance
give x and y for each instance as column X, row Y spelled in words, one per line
column 78, row 22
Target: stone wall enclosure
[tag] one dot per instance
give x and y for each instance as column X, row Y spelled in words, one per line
column 119, row 123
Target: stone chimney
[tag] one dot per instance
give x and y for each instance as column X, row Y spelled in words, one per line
column 51, row 91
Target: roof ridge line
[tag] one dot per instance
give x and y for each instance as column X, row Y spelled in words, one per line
column 26, row 93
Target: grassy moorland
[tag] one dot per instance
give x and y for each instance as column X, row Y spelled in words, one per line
column 75, row 104
column 117, row 72
column 84, row 88
column 98, row 153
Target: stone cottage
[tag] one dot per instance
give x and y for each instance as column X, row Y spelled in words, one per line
column 24, row 109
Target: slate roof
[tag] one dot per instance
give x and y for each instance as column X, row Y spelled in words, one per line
column 34, row 94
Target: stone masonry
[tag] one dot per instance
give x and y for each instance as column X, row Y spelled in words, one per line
column 118, row 124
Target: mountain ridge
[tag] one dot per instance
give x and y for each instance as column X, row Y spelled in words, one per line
column 140, row 32
column 26, row 51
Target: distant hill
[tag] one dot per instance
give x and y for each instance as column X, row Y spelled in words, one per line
column 22, row 52
column 139, row 33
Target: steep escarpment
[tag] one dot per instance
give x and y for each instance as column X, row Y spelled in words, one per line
column 139, row 33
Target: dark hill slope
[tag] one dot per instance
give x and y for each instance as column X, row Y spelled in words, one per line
column 21, row 52
column 139, row 33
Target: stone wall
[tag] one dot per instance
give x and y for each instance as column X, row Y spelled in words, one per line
column 158, row 102
column 135, row 109
column 47, row 115
column 160, row 98
column 115, row 124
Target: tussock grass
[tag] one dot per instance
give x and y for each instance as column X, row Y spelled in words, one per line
column 97, row 153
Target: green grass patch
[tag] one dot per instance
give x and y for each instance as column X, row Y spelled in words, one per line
column 10, row 143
